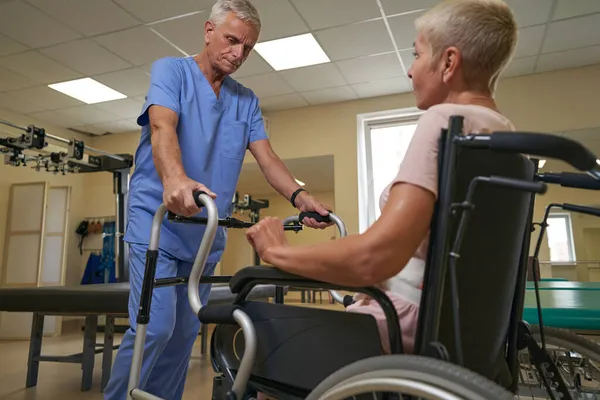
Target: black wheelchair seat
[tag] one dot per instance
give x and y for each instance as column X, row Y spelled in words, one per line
column 298, row 347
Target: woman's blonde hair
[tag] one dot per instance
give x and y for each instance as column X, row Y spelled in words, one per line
column 484, row 31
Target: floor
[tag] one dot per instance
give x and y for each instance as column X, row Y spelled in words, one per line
column 62, row 380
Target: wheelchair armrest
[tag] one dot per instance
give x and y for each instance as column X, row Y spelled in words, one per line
column 245, row 279
column 264, row 274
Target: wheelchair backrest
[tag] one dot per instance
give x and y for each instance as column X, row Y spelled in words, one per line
column 490, row 256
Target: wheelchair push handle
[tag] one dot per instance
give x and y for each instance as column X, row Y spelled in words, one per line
column 319, row 218
column 571, row 179
column 582, row 209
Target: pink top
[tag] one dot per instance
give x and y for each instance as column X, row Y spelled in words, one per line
column 420, row 167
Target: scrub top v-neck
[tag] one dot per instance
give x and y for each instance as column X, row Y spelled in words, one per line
column 213, row 133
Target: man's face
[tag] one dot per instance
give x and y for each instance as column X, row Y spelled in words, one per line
column 229, row 44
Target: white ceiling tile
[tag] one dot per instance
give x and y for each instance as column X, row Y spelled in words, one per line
column 187, row 33
column 570, row 8
column 530, row 40
column 287, row 101
column 86, row 56
column 45, row 97
column 530, row 12
column 403, row 28
column 137, row 45
column 155, row 10
column 23, row 23
column 356, row 40
column 569, row 59
column 278, row 19
column 320, row 14
column 371, row 68
column 520, row 66
column 572, row 33
column 383, row 88
column 11, row 80
column 38, row 67
column 57, row 117
column 331, row 95
column 391, row 7
column 89, row 17
column 124, row 108
column 314, row 77
column 122, row 126
column 267, row 85
column 254, row 65
column 89, row 114
column 9, row 46
column 88, row 129
column 18, row 104
column 131, row 82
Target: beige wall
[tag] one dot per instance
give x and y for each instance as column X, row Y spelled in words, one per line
column 549, row 102
column 10, row 175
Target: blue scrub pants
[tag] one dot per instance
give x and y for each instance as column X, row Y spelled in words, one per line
column 171, row 332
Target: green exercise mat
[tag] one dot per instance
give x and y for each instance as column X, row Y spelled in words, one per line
column 565, row 285
column 565, row 308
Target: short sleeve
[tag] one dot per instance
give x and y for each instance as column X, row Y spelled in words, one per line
column 420, row 164
column 257, row 125
column 165, row 88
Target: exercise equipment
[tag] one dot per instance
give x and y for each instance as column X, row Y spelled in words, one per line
column 91, row 302
column 28, row 146
column 292, row 353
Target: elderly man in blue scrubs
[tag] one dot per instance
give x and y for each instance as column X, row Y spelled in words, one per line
column 196, row 126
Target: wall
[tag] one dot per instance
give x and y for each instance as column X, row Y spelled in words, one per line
column 10, row 175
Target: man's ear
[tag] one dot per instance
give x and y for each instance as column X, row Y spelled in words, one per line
column 209, row 30
column 451, row 63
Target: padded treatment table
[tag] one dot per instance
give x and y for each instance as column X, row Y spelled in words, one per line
column 575, row 308
column 564, row 285
column 90, row 301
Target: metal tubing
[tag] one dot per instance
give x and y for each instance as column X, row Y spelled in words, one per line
column 343, row 232
column 66, row 141
column 250, row 344
column 141, row 395
column 204, row 249
column 136, row 361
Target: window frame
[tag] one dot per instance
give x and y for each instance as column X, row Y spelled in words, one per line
column 570, row 238
column 366, row 122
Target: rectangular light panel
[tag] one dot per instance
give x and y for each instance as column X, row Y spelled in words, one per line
column 292, row 52
column 87, row 90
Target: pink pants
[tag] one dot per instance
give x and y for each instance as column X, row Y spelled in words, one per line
column 408, row 314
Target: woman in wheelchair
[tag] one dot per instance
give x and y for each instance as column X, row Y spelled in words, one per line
column 461, row 48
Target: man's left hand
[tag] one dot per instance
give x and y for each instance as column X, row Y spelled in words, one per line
column 305, row 203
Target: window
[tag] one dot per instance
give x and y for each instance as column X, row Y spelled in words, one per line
column 383, row 139
column 560, row 238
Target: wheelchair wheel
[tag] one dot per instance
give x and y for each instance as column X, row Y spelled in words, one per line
column 418, row 376
column 577, row 359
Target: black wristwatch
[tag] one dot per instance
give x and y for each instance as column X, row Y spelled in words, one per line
column 294, row 195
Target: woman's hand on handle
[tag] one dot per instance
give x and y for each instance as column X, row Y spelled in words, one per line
column 305, row 203
column 178, row 196
column 266, row 235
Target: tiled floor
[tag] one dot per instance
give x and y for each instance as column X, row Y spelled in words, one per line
column 62, row 381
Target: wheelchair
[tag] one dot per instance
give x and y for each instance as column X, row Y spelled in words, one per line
column 469, row 334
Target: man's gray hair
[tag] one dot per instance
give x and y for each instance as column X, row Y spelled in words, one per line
column 243, row 9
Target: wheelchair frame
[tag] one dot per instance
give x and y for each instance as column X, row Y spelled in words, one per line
column 441, row 260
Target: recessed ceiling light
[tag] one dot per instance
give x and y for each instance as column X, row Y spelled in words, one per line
column 300, row 183
column 542, row 163
column 87, row 90
column 292, row 52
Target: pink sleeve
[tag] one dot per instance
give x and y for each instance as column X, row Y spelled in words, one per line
column 420, row 164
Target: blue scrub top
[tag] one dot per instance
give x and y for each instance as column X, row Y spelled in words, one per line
column 214, row 134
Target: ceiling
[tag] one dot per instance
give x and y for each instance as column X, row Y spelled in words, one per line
column 316, row 172
column 368, row 41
